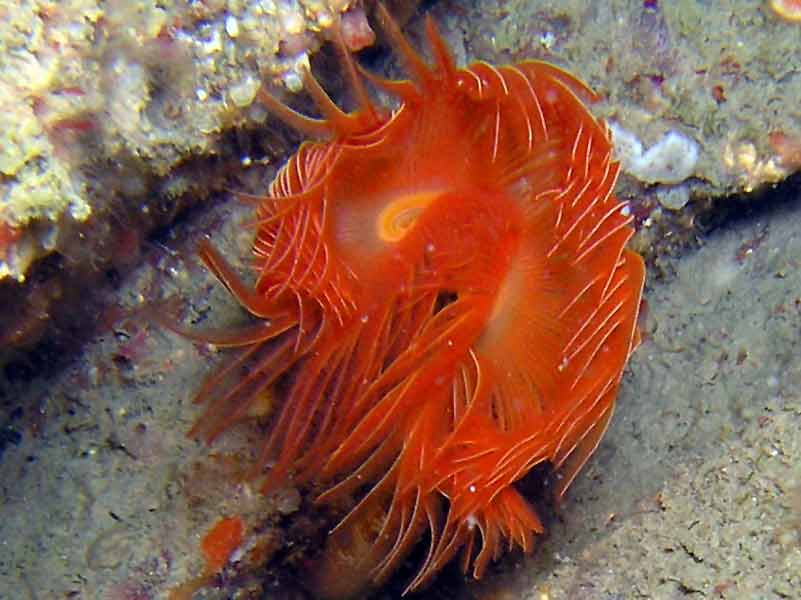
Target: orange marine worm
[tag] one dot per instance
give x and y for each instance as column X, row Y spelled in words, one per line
column 443, row 292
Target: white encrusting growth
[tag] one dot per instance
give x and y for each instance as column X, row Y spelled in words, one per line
column 671, row 160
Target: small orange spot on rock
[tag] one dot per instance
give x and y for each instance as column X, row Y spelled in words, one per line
column 789, row 10
column 787, row 147
column 221, row 541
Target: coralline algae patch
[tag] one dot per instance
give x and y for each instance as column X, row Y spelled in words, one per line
column 85, row 84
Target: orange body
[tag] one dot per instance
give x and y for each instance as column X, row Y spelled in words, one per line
column 446, row 290
column 221, row 541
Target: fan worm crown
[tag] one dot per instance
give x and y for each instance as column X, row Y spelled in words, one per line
column 445, row 292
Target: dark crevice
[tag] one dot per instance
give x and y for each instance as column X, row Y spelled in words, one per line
column 725, row 212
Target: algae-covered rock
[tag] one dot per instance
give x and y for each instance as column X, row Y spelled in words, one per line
column 85, row 83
